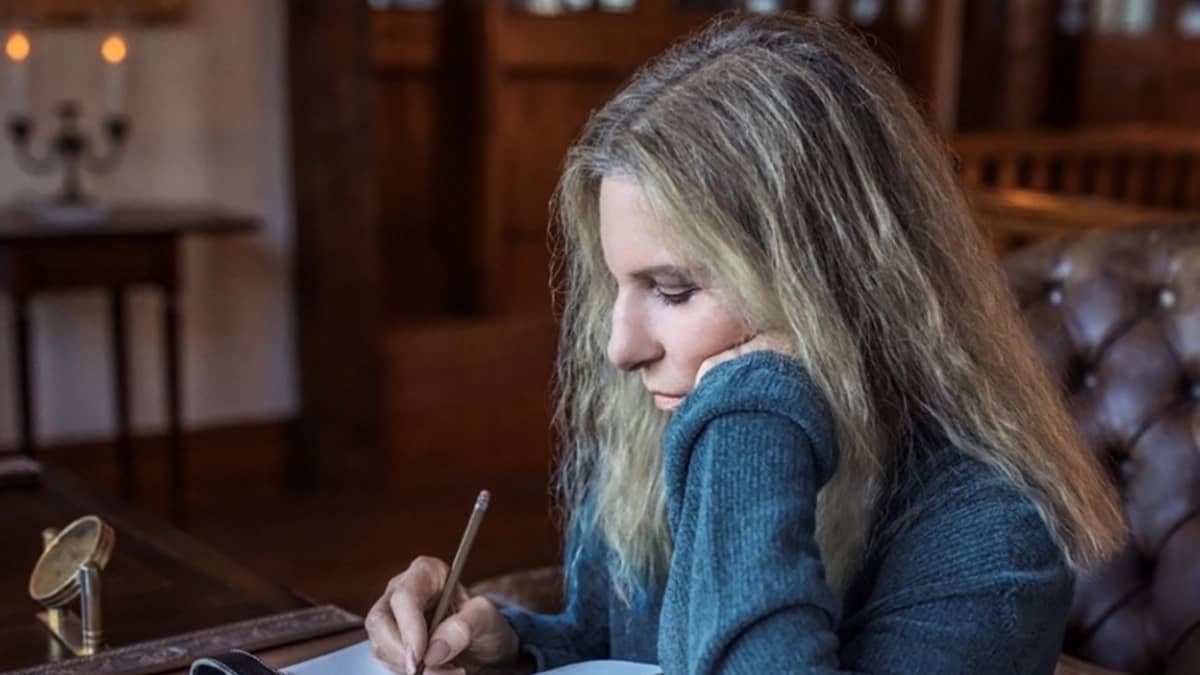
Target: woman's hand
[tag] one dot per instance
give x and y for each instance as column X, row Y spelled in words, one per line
column 771, row 341
column 474, row 636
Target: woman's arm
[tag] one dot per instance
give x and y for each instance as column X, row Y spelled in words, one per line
column 580, row 631
column 745, row 456
column 746, row 592
column 972, row 583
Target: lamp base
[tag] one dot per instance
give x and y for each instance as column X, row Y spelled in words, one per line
column 68, row 628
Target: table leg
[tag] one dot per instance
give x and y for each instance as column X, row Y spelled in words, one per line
column 24, row 358
column 175, row 434
column 121, row 393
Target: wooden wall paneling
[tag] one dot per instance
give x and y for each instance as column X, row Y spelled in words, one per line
column 1121, row 80
column 981, row 90
column 407, row 82
column 943, row 55
column 405, row 40
column 426, row 81
column 338, row 291
column 1065, row 56
column 541, row 75
column 1006, row 68
column 1183, row 80
column 591, row 41
column 413, row 265
column 1026, row 59
column 1123, row 76
column 541, row 116
column 469, row 398
column 459, row 161
column 490, row 237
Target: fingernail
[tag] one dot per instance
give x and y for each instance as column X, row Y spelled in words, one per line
column 410, row 661
column 438, row 652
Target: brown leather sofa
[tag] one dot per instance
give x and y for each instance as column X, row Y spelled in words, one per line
column 1116, row 316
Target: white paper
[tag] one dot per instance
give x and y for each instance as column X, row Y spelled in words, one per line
column 357, row 660
column 606, row 668
column 353, row 660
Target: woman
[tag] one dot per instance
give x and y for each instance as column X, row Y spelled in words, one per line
column 807, row 430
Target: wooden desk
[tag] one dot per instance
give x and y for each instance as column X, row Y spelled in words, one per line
column 292, row 654
column 159, row 584
column 132, row 245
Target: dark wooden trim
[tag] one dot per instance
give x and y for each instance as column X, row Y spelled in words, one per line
column 405, row 40
column 459, row 132
column 178, row 651
column 339, row 294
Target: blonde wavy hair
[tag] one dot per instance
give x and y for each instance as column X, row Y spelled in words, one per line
column 791, row 167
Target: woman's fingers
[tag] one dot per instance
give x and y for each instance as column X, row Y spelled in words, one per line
column 760, row 342
column 386, row 644
column 477, row 630
column 396, row 623
column 475, row 634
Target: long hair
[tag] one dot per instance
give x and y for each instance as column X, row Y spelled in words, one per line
column 788, row 164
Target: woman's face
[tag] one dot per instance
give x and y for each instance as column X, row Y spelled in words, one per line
column 664, row 324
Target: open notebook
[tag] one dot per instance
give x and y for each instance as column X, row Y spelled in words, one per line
column 357, row 660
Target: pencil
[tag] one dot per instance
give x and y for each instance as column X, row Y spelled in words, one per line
column 456, row 567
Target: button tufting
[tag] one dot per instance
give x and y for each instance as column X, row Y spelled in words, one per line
column 1166, row 298
column 1089, row 380
column 1055, row 296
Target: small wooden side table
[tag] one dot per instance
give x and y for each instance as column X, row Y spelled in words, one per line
column 136, row 244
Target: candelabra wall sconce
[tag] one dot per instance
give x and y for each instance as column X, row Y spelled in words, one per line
column 69, row 150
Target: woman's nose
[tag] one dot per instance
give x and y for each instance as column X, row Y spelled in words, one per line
column 631, row 344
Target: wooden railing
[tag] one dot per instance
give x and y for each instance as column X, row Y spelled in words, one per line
column 1014, row 218
column 1146, row 166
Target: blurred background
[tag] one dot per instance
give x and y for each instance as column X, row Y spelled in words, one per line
column 364, row 331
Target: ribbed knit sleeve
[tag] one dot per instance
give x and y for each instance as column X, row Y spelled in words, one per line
column 746, row 454
column 580, row 632
column 973, row 583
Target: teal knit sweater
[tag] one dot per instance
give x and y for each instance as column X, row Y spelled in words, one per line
column 960, row 575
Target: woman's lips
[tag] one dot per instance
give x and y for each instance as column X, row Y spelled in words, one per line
column 666, row 401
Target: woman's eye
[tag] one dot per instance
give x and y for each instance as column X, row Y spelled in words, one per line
column 674, row 297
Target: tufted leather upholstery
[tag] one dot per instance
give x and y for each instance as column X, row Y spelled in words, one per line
column 1116, row 316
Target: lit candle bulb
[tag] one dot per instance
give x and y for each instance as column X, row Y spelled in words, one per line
column 16, row 49
column 114, row 51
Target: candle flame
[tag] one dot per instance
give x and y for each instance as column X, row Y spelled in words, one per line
column 113, row 49
column 17, row 46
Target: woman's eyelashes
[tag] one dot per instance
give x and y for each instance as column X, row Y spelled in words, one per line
column 675, row 296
